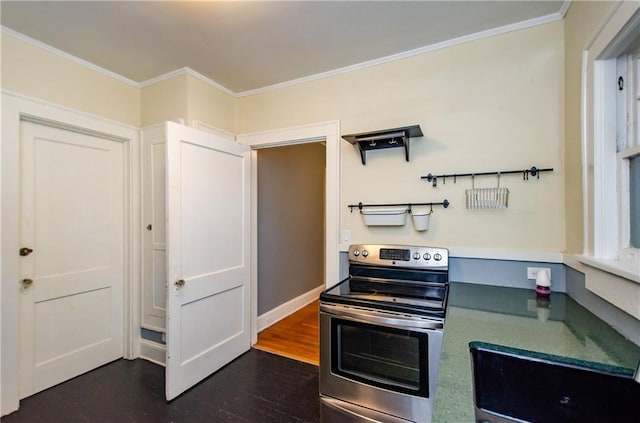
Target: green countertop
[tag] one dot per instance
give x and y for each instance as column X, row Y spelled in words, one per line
column 517, row 318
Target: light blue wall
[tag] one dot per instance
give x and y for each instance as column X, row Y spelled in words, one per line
column 151, row 335
column 509, row 273
column 512, row 274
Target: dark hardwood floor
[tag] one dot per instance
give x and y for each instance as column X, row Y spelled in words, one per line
column 257, row 387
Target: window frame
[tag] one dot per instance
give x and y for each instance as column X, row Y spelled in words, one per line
column 627, row 140
column 605, row 170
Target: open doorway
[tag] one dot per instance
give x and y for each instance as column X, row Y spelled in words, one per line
column 291, row 245
column 328, row 133
column 290, row 222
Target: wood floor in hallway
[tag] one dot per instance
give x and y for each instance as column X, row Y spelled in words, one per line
column 295, row 336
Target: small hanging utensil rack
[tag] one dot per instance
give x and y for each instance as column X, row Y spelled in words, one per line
column 533, row 171
column 360, row 206
column 487, row 198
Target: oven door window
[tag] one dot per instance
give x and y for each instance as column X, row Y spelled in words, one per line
column 389, row 358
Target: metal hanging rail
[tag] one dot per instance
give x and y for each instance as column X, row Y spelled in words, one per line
column 360, row 206
column 533, row 171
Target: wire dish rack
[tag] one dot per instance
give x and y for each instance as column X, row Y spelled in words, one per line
column 486, row 198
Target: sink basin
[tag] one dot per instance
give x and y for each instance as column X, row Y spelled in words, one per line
column 514, row 385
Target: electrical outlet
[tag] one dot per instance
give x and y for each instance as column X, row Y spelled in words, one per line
column 346, row 236
column 532, row 272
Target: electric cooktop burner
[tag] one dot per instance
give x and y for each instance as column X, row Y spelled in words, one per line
column 398, row 292
column 397, row 297
column 401, row 279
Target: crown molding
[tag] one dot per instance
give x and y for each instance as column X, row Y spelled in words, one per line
column 68, row 56
column 563, row 9
column 163, row 77
column 190, row 72
column 554, row 17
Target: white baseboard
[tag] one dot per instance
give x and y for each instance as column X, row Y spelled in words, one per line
column 156, row 353
column 272, row 316
column 152, row 351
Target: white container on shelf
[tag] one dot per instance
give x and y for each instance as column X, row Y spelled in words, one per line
column 384, row 217
column 421, row 221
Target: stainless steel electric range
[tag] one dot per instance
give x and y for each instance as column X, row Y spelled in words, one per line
column 381, row 334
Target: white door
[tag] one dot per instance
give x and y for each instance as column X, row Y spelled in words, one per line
column 208, row 254
column 154, row 175
column 72, row 217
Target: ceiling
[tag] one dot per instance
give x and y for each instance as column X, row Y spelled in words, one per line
column 246, row 46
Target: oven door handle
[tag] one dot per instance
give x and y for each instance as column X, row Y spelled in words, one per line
column 369, row 316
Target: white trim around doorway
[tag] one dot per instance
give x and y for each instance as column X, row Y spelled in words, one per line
column 328, row 132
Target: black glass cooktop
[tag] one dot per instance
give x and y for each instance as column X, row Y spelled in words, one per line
column 420, row 298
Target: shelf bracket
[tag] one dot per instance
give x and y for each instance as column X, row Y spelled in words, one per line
column 388, row 138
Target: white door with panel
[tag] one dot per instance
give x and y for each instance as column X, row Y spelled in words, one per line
column 154, row 287
column 72, row 266
column 208, row 254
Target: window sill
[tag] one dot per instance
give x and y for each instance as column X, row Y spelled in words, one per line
column 625, row 269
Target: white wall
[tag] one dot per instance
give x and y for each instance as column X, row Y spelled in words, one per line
column 37, row 72
column 491, row 104
column 184, row 96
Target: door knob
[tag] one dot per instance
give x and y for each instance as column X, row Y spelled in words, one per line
column 24, row 251
column 27, row 282
column 180, row 283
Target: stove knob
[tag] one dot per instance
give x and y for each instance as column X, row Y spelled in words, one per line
column 427, row 256
column 437, row 257
column 356, row 253
column 365, row 253
column 416, row 256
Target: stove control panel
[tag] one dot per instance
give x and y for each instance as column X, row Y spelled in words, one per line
column 411, row 256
